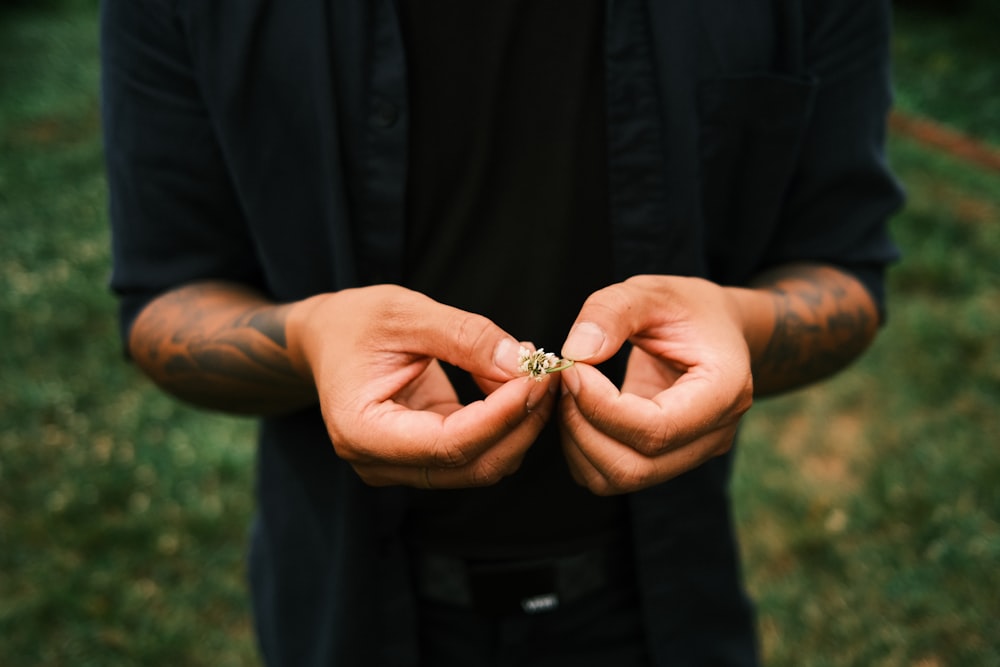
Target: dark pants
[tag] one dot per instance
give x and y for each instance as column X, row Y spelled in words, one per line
column 601, row 629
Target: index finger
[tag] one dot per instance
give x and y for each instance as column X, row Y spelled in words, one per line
column 690, row 408
column 466, row 340
column 390, row 433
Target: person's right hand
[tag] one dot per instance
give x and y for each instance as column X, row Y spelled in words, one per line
column 388, row 406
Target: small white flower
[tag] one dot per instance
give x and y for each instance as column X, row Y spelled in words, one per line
column 537, row 364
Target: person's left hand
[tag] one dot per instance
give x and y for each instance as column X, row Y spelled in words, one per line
column 687, row 384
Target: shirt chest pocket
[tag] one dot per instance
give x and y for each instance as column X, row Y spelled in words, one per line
column 751, row 130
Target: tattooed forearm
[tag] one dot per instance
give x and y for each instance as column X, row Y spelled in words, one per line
column 219, row 346
column 823, row 320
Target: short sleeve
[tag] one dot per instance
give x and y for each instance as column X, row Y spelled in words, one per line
column 842, row 193
column 174, row 216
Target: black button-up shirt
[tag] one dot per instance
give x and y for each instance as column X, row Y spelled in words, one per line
column 264, row 141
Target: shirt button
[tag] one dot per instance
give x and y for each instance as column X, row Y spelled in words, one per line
column 386, row 115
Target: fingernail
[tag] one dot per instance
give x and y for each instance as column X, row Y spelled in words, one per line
column 584, row 341
column 505, row 355
column 570, row 381
column 537, row 394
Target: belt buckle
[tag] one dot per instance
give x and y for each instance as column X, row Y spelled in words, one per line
column 505, row 588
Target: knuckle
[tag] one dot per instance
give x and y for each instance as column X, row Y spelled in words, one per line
column 490, row 472
column 594, row 412
column 369, row 478
column 648, row 447
column 447, row 453
column 641, row 281
column 540, row 417
column 390, row 302
column 746, row 399
column 627, row 474
column 486, row 476
column 345, row 451
column 600, row 487
column 655, row 439
column 345, row 441
column 725, row 443
column 472, row 331
column 569, row 413
column 393, row 309
column 611, row 304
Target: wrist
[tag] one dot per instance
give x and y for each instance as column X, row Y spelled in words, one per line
column 755, row 309
column 299, row 325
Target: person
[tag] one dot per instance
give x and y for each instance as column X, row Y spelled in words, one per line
column 348, row 218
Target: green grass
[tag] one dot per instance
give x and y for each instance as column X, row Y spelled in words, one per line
column 122, row 514
column 947, row 68
column 869, row 506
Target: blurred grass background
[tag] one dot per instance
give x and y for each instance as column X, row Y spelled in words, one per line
column 869, row 507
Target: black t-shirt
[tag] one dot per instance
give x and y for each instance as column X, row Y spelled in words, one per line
column 508, row 217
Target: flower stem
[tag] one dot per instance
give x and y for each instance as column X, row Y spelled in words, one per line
column 566, row 363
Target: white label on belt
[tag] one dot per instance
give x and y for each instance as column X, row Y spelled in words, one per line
column 540, row 603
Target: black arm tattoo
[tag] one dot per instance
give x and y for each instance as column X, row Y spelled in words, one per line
column 819, row 328
column 237, row 362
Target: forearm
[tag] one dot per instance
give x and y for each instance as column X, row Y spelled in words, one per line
column 805, row 322
column 220, row 346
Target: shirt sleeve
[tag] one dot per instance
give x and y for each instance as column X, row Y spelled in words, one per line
column 174, row 216
column 843, row 192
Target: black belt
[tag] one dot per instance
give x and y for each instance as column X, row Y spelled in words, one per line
column 519, row 586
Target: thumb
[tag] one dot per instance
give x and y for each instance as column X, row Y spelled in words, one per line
column 585, row 341
column 603, row 325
